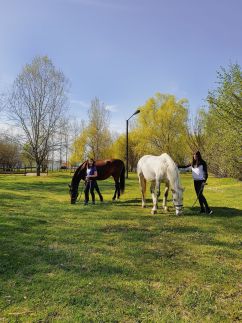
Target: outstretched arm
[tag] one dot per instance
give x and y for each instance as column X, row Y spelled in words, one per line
column 184, row 166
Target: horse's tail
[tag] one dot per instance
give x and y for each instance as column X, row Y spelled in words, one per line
column 122, row 180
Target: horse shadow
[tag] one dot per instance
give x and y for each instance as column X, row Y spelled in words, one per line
column 136, row 202
column 220, row 211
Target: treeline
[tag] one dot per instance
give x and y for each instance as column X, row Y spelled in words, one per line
column 10, row 152
column 38, row 103
column 221, row 126
column 163, row 125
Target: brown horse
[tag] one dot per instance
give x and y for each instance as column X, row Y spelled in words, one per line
column 105, row 169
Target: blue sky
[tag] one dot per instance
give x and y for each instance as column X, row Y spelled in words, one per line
column 123, row 51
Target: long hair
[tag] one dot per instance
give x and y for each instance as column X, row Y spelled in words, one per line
column 199, row 160
column 93, row 162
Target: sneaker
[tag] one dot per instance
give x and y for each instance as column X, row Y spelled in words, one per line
column 209, row 212
column 202, row 211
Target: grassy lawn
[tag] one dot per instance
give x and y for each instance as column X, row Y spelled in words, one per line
column 115, row 262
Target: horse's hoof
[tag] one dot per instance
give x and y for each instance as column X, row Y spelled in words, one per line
column 153, row 211
column 143, row 206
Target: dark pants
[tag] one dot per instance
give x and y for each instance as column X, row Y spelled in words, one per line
column 199, row 191
column 91, row 185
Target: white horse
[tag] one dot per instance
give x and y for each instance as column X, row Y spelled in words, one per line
column 159, row 169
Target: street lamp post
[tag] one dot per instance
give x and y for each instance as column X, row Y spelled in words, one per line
column 127, row 142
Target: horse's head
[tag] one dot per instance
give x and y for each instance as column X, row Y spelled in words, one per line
column 178, row 199
column 73, row 194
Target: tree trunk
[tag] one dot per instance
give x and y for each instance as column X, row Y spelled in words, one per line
column 38, row 169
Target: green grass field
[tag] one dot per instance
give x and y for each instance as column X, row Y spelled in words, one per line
column 115, row 262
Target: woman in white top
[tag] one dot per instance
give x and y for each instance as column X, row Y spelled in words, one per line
column 200, row 175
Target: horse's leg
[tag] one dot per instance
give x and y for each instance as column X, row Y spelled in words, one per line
column 142, row 182
column 118, row 189
column 165, row 197
column 154, row 197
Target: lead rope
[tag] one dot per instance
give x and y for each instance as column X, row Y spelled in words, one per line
column 199, row 193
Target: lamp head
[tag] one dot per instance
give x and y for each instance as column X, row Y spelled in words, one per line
column 136, row 112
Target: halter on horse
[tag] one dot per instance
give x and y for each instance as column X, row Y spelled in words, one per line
column 105, row 169
column 159, row 169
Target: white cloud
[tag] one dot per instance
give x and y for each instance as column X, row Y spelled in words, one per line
column 174, row 88
column 111, row 108
column 81, row 103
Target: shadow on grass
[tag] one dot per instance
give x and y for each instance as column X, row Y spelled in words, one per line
column 226, row 212
column 25, row 241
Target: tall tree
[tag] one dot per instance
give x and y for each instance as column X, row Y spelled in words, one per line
column 195, row 132
column 223, row 122
column 37, row 102
column 79, row 148
column 98, row 134
column 226, row 100
column 162, row 127
column 95, row 139
column 119, row 149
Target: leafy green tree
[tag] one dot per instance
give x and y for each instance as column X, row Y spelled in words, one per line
column 223, row 135
column 79, row 148
column 162, row 127
column 118, row 149
column 226, row 100
column 196, row 132
column 95, row 139
column 98, row 139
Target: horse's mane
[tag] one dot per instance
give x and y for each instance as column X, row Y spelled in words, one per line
column 76, row 177
column 172, row 171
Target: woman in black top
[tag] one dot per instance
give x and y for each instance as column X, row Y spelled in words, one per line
column 200, row 175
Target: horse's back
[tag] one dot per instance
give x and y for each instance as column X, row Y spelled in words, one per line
column 153, row 167
column 111, row 161
column 148, row 166
column 109, row 167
